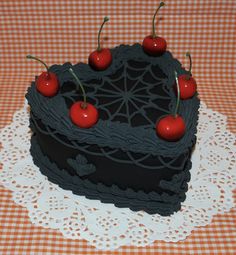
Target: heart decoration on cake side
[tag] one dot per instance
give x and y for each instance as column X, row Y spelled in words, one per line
column 47, row 83
column 82, row 113
column 172, row 127
column 101, row 58
column 187, row 84
column 152, row 44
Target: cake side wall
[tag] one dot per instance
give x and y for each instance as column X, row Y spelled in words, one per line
column 106, row 170
column 152, row 202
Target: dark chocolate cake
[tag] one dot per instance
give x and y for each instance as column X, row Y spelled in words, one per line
column 119, row 160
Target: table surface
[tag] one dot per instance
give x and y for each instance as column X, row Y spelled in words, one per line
column 61, row 31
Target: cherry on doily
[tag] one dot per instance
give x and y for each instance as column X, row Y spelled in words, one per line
column 101, row 58
column 82, row 113
column 47, row 83
column 172, row 127
column 153, row 44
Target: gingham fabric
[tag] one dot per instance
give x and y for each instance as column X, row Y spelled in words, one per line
column 60, row 31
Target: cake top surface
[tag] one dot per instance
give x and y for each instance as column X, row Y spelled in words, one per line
column 131, row 95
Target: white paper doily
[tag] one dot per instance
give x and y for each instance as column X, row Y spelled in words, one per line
column 213, row 178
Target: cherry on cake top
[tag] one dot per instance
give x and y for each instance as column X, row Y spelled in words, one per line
column 82, row 113
column 46, row 83
column 187, row 84
column 172, row 127
column 152, row 44
column 101, row 58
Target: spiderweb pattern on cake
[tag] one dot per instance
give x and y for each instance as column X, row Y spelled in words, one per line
column 133, row 94
column 130, row 96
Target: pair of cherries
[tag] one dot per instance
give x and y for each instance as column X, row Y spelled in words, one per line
column 82, row 113
column 153, row 45
column 172, row 127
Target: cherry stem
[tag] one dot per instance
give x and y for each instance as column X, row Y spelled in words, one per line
column 99, row 33
column 190, row 66
column 80, row 85
column 39, row 60
column 178, row 95
column 153, row 20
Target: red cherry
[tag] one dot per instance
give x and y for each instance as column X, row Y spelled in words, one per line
column 171, row 128
column 84, row 116
column 100, row 60
column 187, row 86
column 154, row 46
column 47, row 83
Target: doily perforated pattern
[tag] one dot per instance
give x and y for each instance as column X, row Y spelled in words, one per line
column 105, row 226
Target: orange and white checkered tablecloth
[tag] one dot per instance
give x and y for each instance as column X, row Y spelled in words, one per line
column 61, row 31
